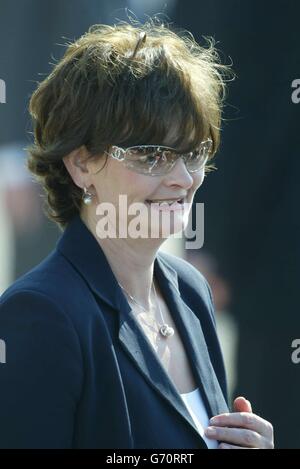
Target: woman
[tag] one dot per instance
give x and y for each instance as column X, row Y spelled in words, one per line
column 109, row 342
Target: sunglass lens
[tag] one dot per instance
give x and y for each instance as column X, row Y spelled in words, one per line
column 195, row 160
column 151, row 160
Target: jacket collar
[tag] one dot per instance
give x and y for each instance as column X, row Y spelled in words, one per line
column 83, row 251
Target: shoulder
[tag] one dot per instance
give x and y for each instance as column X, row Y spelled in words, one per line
column 38, row 298
column 53, row 282
column 49, row 277
column 31, row 316
column 34, row 325
column 42, row 371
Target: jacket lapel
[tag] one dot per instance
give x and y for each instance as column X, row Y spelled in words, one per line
column 136, row 345
column 193, row 339
column 81, row 248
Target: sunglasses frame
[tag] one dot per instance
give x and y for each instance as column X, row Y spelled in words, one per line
column 119, row 154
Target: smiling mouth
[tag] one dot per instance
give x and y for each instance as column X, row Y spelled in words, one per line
column 165, row 202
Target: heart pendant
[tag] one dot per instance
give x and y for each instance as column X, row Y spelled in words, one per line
column 166, row 330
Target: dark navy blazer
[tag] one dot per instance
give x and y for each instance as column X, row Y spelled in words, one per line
column 79, row 371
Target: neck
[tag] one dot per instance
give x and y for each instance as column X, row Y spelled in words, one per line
column 126, row 255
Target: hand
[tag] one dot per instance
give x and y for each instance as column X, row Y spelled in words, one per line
column 241, row 429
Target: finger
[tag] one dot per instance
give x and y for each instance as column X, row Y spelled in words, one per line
column 236, row 436
column 250, row 406
column 243, row 420
column 242, row 405
column 228, row 446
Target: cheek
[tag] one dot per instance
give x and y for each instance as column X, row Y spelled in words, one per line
column 138, row 186
column 118, row 180
column 198, row 179
column 113, row 181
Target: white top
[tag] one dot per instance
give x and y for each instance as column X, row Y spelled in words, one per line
column 194, row 403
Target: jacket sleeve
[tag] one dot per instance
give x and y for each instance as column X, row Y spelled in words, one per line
column 40, row 372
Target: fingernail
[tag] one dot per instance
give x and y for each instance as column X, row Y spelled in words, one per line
column 210, row 431
column 214, row 420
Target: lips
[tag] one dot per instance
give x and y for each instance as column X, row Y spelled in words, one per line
column 166, row 204
column 165, row 201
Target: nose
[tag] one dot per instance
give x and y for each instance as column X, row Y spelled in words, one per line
column 179, row 176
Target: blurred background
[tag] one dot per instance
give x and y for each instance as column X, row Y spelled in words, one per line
column 251, row 252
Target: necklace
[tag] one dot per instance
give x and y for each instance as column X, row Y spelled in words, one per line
column 164, row 329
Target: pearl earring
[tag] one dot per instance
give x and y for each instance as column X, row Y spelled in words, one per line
column 87, row 197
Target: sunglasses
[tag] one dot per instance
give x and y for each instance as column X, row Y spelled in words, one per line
column 157, row 160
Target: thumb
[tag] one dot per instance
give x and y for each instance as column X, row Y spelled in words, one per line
column 241, row 404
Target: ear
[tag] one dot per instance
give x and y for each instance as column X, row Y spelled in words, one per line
column 76, row 165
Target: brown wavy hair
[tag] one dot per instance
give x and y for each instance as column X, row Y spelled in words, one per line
column 112, row 88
